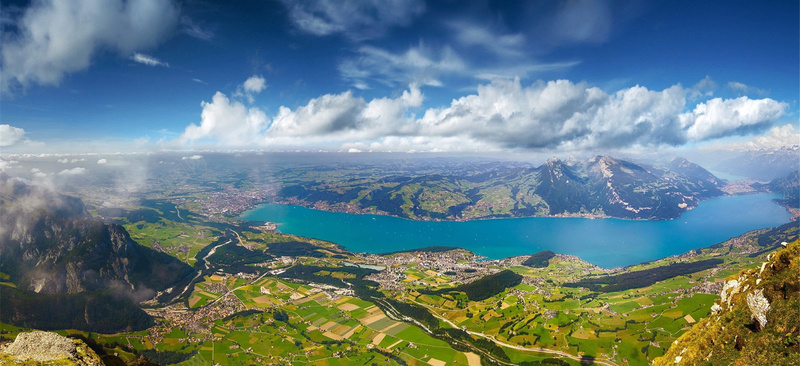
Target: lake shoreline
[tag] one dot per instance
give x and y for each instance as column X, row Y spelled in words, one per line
column 607, row 243
column 361, row 211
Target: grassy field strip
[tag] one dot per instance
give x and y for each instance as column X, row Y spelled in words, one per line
column 513, row 346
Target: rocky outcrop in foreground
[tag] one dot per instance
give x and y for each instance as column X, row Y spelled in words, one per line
column 34, row 348
column 755, row 322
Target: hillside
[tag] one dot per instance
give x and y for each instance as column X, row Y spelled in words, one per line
column 754, row 323
column 788, row 187
column 51, row 245
column 599, row 187
column 56, row 256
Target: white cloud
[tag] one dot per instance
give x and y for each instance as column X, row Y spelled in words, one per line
column 581, row 22
column 357, row 20
column 148, row 60
column 189, row 27
column 229, row 122
column 193, row 157
column 102, row 161
column 6, row 164
column 73, row 171
column 10, row 135
column 719, row 118
column 343, row 117
column 503, row 114
column 482, row 38
column 742, row 88
column 254, row 84
column 420, row 64
column 703, row 88
column 558, row 114
column 53, row 38
column 737, row 86
column 776, row 138
column 426, row 65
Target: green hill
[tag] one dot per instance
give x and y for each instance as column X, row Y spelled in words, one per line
column 754, row 323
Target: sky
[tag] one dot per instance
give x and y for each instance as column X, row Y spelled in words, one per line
column 397, row 75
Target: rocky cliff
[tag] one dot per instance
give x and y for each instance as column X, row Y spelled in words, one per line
column 51, row 245
column 45, row 348
column 755, row 322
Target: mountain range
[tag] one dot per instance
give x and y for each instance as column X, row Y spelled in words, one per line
column 598, row 187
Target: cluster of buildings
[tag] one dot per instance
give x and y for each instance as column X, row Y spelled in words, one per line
column 458, row 265
column 193, row 321
column 227, row 201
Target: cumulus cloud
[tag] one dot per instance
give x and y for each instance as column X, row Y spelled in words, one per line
column 73, row 171
column 7, row 164
column 357, row 20
column 102, row 161
column 253, row 85
column 719, row 118
column 10, row 135
column 192, row 157
column 148, row 60
column 37, row 173
column 558, row 114
column 229, row 122
column 343, row 117
column 503, row 114
column 776, row 138
column 53, row 38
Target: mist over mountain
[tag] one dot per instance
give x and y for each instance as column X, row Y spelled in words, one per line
column 52, row 245
column 762, row 164
column 60, row 258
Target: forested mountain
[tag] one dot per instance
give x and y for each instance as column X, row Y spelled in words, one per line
column 599, row 187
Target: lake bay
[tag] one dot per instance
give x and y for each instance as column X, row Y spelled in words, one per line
column 604, row 242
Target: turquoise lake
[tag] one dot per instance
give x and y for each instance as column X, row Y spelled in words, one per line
column 604, row 242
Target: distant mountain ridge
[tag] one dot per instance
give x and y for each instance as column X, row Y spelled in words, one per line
column 599, row 187
column 762, row 164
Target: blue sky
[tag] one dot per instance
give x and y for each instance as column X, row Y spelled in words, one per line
column 400, row 75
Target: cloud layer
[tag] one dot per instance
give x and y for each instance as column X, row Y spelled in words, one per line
column 54, row 37
column 503, row 114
